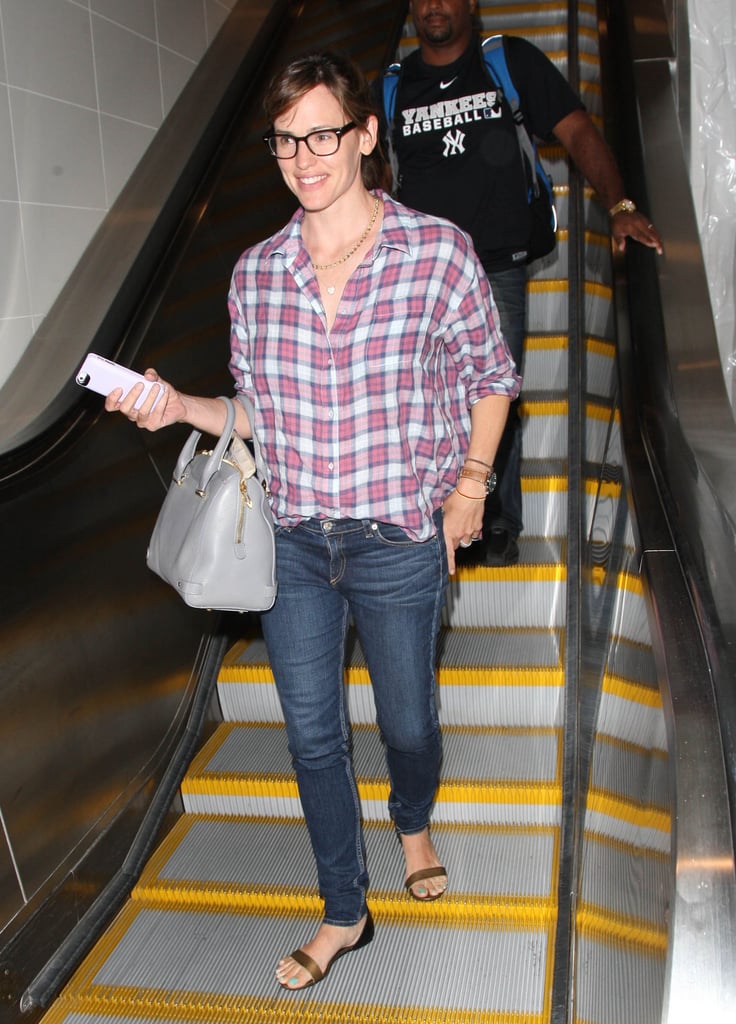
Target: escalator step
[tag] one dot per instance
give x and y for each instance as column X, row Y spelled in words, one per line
column 489, row 776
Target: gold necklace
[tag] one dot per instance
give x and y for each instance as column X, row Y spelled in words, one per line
column 350, row 252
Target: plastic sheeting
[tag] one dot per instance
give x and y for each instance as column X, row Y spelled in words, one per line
column 713, row 161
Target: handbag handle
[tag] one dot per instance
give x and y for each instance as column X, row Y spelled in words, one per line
column 214, row 461
column 251, row 414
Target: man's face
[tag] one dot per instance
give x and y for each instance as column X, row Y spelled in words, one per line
column 442, row 22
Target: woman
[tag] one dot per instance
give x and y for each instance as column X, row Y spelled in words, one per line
column 364, row 332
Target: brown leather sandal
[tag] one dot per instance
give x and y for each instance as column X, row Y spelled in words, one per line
column 314, row 970
column 418, row 876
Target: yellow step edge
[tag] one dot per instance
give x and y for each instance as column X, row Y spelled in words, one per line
column 601, row 925
column 556, row 6
column 104, row 1000
column 464, row 791
column 612, row 805
column 480, row 910
column 544, row 484
column 561, row 284
column 635, row 693
column 630, row 850
column 559, row 342
column 468, row 675
column 547, row 572
column 591, row 237
column 558, row 407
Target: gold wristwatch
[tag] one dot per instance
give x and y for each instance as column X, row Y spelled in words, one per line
column 622, row 206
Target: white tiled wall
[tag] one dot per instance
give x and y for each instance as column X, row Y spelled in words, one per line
column 84, row 86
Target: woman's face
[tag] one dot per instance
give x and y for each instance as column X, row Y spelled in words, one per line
column 320, row 181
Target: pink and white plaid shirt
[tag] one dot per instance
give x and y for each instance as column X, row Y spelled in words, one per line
column 371, row 419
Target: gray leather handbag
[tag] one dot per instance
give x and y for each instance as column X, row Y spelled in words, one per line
column 214, row 540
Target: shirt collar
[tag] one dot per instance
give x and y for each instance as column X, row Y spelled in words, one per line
column 287, row 242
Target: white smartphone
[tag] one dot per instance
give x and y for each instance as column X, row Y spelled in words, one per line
column 103, row 376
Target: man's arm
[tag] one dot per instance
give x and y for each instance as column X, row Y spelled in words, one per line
column 594, row 159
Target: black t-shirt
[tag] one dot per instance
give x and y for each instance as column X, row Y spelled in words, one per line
column 457, row 147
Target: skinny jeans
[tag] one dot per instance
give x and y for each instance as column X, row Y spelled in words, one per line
column 332, row 572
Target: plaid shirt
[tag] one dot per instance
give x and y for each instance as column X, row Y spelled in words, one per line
column 369, row 420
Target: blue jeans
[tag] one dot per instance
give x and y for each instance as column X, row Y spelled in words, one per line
column 503, row 507
column 393, row 588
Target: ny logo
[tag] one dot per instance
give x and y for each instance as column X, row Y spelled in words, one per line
column 454, row 143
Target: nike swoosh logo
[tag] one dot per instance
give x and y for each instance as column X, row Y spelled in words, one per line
column 446, row 85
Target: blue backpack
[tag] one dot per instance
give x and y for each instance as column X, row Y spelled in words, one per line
column 540, row 195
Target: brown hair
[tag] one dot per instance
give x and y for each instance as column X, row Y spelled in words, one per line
column 347, row 84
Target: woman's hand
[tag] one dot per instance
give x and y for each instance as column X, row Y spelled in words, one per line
column 463, row 518
column 152, row 414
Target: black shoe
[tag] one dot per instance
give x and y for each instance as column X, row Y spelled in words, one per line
column 500, row 548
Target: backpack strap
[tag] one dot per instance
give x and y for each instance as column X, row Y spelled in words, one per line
column 494, row 56
column 391, row 78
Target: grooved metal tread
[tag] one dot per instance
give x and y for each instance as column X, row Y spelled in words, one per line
column 220, row 967
column 489, row 776
column 221, row 862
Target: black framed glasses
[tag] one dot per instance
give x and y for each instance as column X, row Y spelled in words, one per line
column 323, row 142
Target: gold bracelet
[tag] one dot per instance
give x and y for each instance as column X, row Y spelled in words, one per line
column 470, row 497
column 480, row 463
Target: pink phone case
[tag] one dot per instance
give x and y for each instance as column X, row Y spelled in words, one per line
column 103, row 376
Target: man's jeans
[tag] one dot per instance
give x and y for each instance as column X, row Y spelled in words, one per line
column 393, row 588
column 503, row 507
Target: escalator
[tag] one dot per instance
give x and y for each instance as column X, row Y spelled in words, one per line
column 555, row 809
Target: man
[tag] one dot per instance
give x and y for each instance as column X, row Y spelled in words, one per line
column 467, row 168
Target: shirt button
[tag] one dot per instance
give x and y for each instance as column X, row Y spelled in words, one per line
column 331, row 414
column 330, row 465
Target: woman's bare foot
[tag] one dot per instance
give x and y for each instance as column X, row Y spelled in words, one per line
column 330, row 942
column 421, row 857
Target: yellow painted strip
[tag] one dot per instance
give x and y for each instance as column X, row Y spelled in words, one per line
column 469, row 791
column 631, row 748
column 547, row 573
column 600, row 347
column 630, row 850
column 636, row 693
column 544, row 484
column 559, row 342
column 543, row 408
column 485, row 676
column 209, row 1008
column 602, row 413
column 591, row 237
column 545, row 342
column 487, row 910
column 202, row 758
column 641, row 815
column 603, row 488
column 543, row 286
column 602, row 925
column 553, row 6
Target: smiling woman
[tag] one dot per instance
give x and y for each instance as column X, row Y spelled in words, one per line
column 364, row 335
